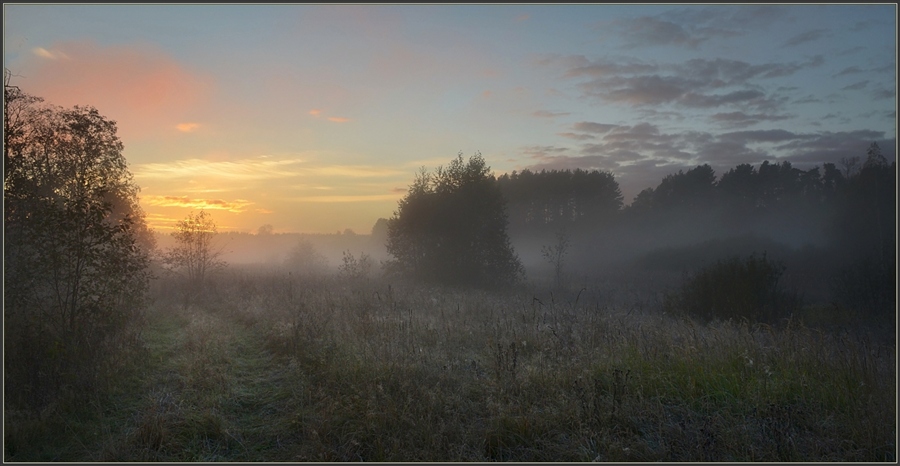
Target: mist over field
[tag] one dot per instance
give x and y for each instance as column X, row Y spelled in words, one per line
column 450, row 233
column 273, row 249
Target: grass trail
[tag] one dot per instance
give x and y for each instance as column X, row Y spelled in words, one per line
column 207, row 391
column 213, row 393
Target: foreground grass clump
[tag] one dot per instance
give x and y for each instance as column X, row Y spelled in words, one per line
column 275, row 368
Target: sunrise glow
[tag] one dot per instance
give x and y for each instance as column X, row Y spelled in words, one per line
column 315, row 118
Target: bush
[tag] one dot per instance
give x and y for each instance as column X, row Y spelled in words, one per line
column 353, row 268
column 735, row 288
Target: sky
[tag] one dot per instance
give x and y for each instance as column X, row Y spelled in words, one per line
column 316, row 118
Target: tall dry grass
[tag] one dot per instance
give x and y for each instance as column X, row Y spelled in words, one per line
column 403, row 373
column 276, row 367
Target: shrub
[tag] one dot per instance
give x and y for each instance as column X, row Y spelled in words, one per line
column 353, row 268
column 735, row 288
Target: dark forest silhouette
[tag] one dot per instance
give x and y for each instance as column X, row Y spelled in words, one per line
column 834, row 227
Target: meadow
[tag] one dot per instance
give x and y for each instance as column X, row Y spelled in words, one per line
column 270, row 366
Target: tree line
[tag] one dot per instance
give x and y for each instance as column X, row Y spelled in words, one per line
column 454, row 226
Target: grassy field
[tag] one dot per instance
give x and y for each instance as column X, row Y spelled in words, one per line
column 271, row 367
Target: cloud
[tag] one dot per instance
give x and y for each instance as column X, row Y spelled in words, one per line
column 50, row 55
column 639, row 90
column 770, row 135
column 689, row 27
column 316, row 112
column 543, row 153
column 353, row 171
column 883, row 94
column 187, row 127
column 577, row 136
column 591, row 127
column 745, row 119
column 246, row 169
column 140, row 87
column 548, row 114
column 748, row 96
column 579, row 65
column 855, row 86
column 522, row 17
column 256, row 168
column 696, row 83
column 809, row 99
column 848, row 70
column 807, row 36
column 236, row 206
column 349, row 198
column 646, row 30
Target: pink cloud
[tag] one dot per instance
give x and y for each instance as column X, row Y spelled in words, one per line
column 315, row 112
column 145, row 91
column 187, row 127
column 338, row 119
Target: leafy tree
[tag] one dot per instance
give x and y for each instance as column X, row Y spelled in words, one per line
column 75, row 270
column 451, row 228
column 194, row 255
column 738, row 187
column 643, row 202
column 691, row 189
column 548, row 200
